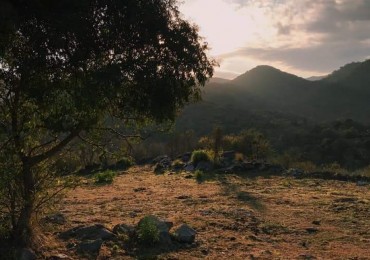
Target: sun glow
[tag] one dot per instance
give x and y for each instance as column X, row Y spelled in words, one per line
column 225, row 26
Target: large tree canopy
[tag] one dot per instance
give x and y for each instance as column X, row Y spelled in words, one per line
column 65, row 65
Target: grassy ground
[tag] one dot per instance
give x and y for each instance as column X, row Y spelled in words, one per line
column 236, row 216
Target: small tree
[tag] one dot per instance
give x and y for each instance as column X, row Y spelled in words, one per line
column 217, row 142
column 68, row 66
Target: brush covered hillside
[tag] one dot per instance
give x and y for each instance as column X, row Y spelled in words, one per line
column 343, row 94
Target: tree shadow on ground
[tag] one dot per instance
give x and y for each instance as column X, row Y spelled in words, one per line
column 235, row 190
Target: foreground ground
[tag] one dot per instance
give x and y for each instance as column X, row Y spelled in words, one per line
column 235, row 216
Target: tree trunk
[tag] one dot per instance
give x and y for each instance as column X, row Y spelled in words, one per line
column 23, row 230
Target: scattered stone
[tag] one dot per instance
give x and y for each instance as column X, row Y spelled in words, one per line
column 204, row 166
column 204, row 251
column 183, row 197
column 316, row 222
column 189, row 167
column 124, row 229
column 306, row 257
column 295, row 172
column 185, row 234
column 361, row 183
column 59, row 257
column 312, row 230
column 93, row 232
column 57, row 218
column 163, row 228
column 159, row 168
column 185, row 157
column 91, row 247
column 188, row 176
column 139, row 189
column 25, row 254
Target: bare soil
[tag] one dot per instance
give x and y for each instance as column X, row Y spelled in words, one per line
column 235, row 216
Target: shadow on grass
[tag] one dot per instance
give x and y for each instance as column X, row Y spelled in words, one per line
column 154, row 252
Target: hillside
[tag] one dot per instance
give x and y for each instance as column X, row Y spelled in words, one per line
column 343, row 94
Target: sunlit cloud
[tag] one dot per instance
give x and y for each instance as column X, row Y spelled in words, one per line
column 304, row 37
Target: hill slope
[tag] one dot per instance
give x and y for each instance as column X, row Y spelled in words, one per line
column 265, row 90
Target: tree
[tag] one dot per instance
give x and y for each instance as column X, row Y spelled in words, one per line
column 66, row 66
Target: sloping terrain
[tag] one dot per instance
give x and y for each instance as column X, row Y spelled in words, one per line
column 235, row 216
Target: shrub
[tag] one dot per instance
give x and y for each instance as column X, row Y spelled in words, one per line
column 148, row 232
column 125, row 163
column 104, row 177
column 199, row 175
column 200, row 155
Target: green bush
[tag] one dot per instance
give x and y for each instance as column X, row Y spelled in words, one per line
column 199, row 175
column 125, row 163
column 148, row 232
column 104, row 177
column 200, row 155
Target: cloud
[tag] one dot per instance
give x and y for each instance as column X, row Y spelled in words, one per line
column 302, row 36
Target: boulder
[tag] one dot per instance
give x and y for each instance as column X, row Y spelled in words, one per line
column 295, row 172
column 163, row 228
column 25, row 254
column 189, row 167
column 59, row 257
column 184, row 234
column 93, row 232
column 91, row 246
column 204, row 166
column 124, row 229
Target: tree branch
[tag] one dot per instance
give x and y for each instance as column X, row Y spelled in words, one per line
column 41, row 157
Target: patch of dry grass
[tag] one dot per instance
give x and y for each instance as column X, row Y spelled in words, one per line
column 236, row 217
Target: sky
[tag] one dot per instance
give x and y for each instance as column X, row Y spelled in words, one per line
column 303, row 37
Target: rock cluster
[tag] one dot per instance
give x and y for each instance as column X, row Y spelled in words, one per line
column 226, row 164
column 89, row 239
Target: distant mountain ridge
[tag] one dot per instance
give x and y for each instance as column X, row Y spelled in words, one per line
column 343, row 94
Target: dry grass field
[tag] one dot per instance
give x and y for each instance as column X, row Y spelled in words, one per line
column 235, row 216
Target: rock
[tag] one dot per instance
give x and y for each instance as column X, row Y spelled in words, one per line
column 159, row 168
column 361, row 183
column 185, row 157
column 91, row 246
column 248, row 166
column 178, row 165
column 58, row 218
column 204, row 166
column 58, row 257
column 183, row 197
column 25, row 254
column 139, row 189
column 188, row 176
column 161, row 158
column 312, row 230
column 295, row 172
column 185, row 234
column 163, row 228
column 316, row 222
column 124, row 229
column 93, row 232
column 189, row 167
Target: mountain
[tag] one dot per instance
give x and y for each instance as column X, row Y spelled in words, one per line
column 315, row 78
column 265, row 95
